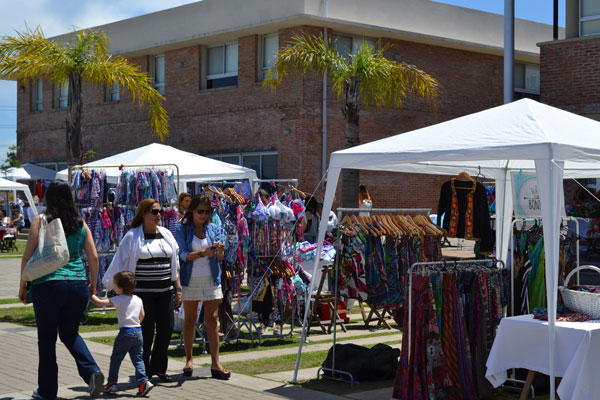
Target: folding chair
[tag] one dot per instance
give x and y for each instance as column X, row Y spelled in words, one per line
column 9, row 243
column 377, row 315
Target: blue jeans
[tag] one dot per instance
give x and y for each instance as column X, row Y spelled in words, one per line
column 58, row 307
column 129, row 340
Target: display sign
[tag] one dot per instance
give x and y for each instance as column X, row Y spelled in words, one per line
column 526, row 197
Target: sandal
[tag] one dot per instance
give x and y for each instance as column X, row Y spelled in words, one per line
column 221, row 375
column 188, row 371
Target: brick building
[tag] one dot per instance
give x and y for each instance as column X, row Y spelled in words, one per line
column 209, row 58
column 570, row 72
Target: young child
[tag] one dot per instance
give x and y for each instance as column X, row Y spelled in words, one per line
column 130, row 312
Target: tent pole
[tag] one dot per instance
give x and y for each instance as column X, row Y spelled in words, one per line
column 332, row 180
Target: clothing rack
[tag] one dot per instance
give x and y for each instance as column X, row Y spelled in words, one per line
column 221, row 182
column 256, row 182
column 512, row 253
column 512, row 377
column 249, row 322
column 439, row 263
column 82, row 167
column 334, row 317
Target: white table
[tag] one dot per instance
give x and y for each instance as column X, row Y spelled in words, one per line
column 522, row 342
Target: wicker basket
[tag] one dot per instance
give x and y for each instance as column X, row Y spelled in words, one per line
column 581, row 302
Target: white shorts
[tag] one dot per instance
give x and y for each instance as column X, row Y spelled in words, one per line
column 202, row 288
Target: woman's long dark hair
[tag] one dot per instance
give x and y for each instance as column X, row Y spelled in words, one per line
column 188, row 218
column 59, row 204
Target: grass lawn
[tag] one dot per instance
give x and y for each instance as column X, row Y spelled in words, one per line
column 286, row 362
column 96, row 321
column 9, row 301
column 15, row 254
column 267, row 344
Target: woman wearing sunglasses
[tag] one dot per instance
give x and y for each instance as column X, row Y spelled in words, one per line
column 201, row 249
column 151, row 253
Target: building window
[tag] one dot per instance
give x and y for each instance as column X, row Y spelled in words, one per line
column 37, row 91
column 264, row 163
column 112, row 92
column 270, row 46
column 589, row 17
column 222, row 65
column 61, row 95
column 157, row 68
column 527, row 78
column 55, row 166
column 349, row 45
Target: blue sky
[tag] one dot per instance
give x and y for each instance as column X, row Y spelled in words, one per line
column 59, row 17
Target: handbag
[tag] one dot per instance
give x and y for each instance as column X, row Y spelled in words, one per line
column 52, row 251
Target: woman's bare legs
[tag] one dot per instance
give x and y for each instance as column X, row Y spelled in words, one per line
column 211, row 314
column 190, row 309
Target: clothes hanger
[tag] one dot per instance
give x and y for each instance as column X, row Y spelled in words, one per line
column 465, row 175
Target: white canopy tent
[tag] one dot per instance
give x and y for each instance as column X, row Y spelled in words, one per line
column 10, row 186
column 192, row 167
column 30, row 172
column 521, row 135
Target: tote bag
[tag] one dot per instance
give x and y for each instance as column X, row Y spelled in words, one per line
column 51, row 253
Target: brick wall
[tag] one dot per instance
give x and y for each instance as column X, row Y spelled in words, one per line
column 570, row 75
column 570, row 80
column 250, row 116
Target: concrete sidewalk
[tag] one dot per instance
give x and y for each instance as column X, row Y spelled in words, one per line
column 19, row 360
column 18, row 368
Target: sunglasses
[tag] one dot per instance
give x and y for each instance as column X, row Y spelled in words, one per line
column 154, row 211
column 200, row 211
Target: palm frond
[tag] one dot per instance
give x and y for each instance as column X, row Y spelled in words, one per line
column 29, row 55
column 379, row 81
column 109, row 70
column 388, row 83
column 304, row 53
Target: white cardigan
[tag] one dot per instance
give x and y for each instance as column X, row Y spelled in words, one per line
column 129, row 251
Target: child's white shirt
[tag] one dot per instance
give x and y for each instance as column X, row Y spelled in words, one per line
column 128, row 310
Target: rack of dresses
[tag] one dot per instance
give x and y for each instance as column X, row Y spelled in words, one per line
column 450, row 322
column 373, row 254
column 108, row 208
column 527, row 262
column 272, row 265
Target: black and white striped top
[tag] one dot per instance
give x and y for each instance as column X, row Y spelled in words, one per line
column 153, row 268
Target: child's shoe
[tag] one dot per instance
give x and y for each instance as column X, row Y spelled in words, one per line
column 110, row 388
column 145, row 388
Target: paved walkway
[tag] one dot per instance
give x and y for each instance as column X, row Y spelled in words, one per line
column 18, row 365
column 18, row 368
column 10, row 272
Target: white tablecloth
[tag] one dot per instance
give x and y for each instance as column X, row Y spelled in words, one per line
column 522, row 342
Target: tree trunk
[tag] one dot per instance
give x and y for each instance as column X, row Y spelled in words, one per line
column 74, row 135
column 351, row 177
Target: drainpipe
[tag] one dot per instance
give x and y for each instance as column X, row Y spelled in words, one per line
column 555, row 21
column 509, row 50
column 324, row 112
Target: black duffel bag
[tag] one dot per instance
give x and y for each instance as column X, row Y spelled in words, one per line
column 377, row 363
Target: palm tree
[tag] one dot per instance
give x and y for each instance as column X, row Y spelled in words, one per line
column 85, row 57
column 366, row 75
